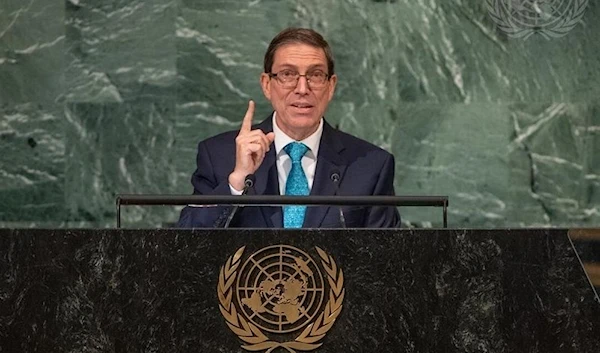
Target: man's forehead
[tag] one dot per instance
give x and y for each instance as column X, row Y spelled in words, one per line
column 300, row 55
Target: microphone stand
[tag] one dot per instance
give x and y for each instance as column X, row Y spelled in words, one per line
column 335, row 177
column 248, row 184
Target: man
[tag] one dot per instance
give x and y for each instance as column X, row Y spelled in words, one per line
column 294, row 151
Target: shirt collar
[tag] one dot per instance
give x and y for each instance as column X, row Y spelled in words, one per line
column 312, row 142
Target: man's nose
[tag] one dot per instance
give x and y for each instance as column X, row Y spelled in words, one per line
column 302, row 85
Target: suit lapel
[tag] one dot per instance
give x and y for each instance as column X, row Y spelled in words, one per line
column 267, row 181
column 329, row 161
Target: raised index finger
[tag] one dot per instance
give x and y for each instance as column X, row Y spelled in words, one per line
column 247, row 122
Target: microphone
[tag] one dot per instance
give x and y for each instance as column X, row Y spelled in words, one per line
column 248, row 185
column 335, row 178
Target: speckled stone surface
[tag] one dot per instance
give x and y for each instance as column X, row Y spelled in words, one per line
column 102, row 97
column 406, row 291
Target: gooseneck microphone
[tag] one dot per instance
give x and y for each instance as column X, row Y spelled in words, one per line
column 248, row 186
column 335, row 178
column 248, row 183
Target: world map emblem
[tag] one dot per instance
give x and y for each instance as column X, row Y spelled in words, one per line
column 549, row 18
column 280, row 297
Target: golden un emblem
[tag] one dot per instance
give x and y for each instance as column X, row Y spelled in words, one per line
column 280, row 298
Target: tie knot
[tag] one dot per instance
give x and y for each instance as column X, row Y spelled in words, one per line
column 296, row 151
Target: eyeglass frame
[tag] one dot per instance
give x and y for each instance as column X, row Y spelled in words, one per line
column 274, row 75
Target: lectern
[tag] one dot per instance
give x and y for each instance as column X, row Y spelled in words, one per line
column 339, row 290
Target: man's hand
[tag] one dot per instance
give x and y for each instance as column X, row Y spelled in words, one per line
column 251, row 146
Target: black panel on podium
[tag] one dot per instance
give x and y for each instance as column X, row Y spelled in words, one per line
column 218, row 290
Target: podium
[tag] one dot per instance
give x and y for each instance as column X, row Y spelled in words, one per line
column 341, row 290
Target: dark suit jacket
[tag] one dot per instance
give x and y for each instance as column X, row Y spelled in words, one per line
column 364, row 169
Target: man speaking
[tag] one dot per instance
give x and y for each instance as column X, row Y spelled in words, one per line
column 294, row 151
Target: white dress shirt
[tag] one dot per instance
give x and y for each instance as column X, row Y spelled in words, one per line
column 283, row 160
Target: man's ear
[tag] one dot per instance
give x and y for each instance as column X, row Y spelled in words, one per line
column 332, row 84
column 265, row 84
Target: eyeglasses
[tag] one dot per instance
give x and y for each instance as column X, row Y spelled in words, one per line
column 289, row 78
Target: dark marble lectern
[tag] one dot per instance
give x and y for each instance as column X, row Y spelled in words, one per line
column 218, row 290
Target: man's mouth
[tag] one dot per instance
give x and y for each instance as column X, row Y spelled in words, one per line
column 302, row 105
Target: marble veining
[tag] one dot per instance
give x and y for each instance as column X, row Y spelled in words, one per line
column 115, row 95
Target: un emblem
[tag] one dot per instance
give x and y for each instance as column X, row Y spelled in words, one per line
column 550, row 18
column 279, row 298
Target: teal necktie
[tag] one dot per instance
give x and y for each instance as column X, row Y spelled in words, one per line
column 296, row 184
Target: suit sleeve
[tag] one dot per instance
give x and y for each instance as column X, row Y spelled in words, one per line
column 384, row 217
column 205, row 182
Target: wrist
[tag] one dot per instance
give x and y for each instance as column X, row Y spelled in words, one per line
column 236, row 180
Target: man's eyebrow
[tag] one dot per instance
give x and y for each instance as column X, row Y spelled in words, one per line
column 288, row 66
column 311, row 67
column 317, row 66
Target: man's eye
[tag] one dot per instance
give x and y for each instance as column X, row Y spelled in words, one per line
column 288, row 74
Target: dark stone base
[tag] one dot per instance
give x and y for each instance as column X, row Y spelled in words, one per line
column 405, row 291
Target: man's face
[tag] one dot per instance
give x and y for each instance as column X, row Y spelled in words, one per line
column 299, row 108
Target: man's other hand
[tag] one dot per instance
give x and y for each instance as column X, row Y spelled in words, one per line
column 251, row 146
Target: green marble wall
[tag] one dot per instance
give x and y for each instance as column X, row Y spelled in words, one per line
column 111, row 96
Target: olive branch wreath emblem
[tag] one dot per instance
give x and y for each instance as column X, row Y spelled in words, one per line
column 555, row 29
column 254, row 338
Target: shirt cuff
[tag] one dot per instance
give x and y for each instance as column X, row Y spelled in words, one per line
column 234, row 191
